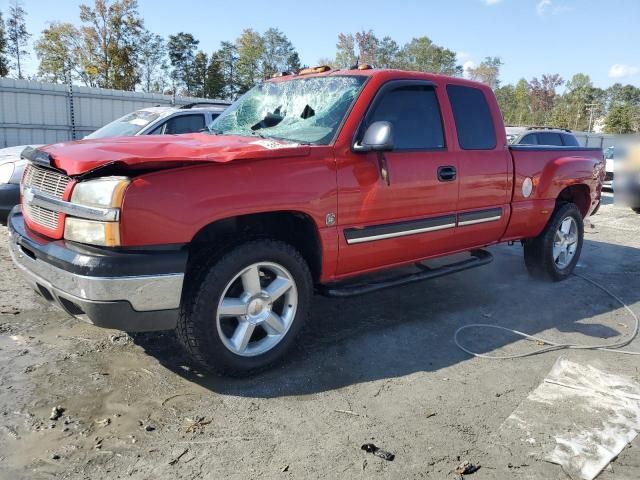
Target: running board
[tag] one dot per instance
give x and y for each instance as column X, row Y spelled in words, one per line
column 478, row 258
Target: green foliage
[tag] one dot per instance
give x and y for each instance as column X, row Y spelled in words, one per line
column 17, row 35
column 215, row 83
column 111, row 33
column 152, row 64
column 181, row 49
column 487, row 72
column 250, row 47
column 59, row 51
column 4, row 61
column 278, row 54
column 623, row 118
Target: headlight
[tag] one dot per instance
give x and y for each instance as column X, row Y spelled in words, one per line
column 106, row 192
column 106, row 234
column 102, row 192
column 6, row 172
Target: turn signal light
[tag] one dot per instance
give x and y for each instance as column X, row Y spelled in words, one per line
column 364, row 66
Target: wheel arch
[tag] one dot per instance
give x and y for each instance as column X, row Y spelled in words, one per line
column 293, row 227
column 580, row 194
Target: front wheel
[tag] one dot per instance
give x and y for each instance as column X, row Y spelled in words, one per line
column 555, row 252
column 247, row 309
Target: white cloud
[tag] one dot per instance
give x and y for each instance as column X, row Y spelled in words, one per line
column 619, row 70
column 466, row 60
column 543, row 6
column 492, row 2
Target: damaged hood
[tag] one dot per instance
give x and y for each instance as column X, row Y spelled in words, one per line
column 165, row 151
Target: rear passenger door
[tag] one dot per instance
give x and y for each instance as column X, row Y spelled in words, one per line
column 484, row 167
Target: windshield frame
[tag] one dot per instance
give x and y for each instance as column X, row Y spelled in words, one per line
column 262, row 135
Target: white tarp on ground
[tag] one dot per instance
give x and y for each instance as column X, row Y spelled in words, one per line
column 579, row 417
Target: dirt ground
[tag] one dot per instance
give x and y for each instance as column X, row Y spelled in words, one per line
column 381, row 368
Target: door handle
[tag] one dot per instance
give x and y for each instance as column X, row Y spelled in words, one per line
column 447, row 173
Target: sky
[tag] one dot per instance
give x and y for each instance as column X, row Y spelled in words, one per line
column 532, row 37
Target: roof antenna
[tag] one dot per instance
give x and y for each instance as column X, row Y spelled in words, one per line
column 355, row 66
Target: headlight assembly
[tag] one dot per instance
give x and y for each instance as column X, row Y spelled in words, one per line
column 106, row 192
column 102, row 192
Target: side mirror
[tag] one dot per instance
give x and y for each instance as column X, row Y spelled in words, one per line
column 378, row 137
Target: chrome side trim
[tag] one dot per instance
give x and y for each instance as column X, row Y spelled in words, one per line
column 33, row 196
column 399, row 234
column 144, row 293
column 479, row 220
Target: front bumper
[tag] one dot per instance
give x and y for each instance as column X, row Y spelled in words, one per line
column 9, row 198
column 131, row 290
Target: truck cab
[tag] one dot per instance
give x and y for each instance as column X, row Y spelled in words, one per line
column 305, row 184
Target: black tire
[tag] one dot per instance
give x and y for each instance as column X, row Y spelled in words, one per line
column 197, row 327
column 538, row 252
column 636, row 209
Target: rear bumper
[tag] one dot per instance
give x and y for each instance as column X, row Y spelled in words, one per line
column 9, row 198
column 128, row 290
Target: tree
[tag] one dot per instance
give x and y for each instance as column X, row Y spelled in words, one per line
column 367, row 47
column 199, row 73
column 228, row 58
column 522, row 93
column 181, row 49
column 4, row 62
column 112, row 33
column 17, row 34
column 508, row 102
column 488, row 72
column 215, row 85
column 622, row 118
column 250, row 47
column 279, row 55
column 387, row 53
column 422, row 55
column 152, row 62
column 59, row 50
column 345, row 51
column 543, row 95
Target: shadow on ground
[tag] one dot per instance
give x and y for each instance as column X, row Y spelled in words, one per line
column 410, row 329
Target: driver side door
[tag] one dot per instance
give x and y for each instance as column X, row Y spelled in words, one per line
column 413, row 216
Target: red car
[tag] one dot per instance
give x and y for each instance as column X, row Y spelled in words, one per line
column 307, row 181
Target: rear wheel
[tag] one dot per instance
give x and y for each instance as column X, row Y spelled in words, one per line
column 555, row 252
column 246, row 311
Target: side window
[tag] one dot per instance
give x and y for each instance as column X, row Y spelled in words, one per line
column 570, row 141
column 530, row 139
column 549, row 138
column 415, row 115
column 474, row 122
column 184, row 124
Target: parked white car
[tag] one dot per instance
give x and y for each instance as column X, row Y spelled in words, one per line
column 168, row 120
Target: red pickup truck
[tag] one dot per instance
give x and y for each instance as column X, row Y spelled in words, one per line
column 305, row 183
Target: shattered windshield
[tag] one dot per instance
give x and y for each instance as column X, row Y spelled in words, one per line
column 306, row 110
column 126, row 126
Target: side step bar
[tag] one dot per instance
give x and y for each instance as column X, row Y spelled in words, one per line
column 478, row 258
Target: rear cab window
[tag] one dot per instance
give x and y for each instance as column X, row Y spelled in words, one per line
column 550, row 138
column 570, row 140
column 529, row 139
column 473, row 119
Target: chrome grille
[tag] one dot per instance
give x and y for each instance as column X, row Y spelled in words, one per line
column 46, row 181
column 42, row 216
column 49, row 182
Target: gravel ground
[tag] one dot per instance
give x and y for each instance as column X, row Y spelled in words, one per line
column 381, row 368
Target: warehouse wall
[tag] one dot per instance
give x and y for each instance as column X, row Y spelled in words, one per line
column 35, row 113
